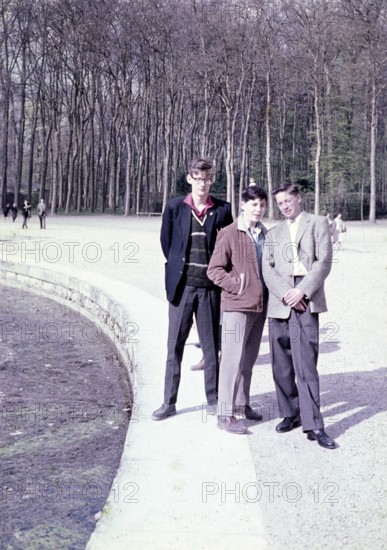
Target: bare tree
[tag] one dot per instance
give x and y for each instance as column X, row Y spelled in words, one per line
column 103, row 104
column 313, row 25
column 369, row 20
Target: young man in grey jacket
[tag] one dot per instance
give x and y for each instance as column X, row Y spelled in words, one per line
column 297, row 260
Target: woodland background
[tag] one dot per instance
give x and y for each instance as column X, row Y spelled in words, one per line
column 104, row 102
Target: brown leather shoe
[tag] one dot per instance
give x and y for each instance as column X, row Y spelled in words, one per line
column 231, row 424
column 198, row 366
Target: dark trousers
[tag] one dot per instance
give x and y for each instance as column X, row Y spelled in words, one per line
column 42, row 219
column 205, row 305
column 294, row 346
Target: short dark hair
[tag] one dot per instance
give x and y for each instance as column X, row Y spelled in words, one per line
column 290, row 188
column 202, row 164
column 253, row 192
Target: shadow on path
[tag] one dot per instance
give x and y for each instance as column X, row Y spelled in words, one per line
column 347, row 399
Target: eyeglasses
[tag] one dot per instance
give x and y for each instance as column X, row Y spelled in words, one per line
column 207, row 179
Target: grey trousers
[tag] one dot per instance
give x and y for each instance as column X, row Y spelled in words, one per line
column 294, row 346
column 241, row 339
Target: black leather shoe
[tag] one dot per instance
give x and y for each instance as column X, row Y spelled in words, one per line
column 164, row 411
column 248, row 412
column 322, row 439
column 288, row 424
column 212, row 408
column 198, row 366
column 231, row 424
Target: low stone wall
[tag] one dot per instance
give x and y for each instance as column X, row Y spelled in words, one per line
column 86, row 297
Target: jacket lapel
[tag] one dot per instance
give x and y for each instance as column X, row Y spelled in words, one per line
column 304, row 222
column 185, row 221
column 211, row 217
column 283, row 232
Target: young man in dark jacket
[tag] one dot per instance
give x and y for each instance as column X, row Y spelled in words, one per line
column 236, row 266
column 188, row 235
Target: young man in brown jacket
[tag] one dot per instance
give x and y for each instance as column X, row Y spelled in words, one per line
column 236, row 266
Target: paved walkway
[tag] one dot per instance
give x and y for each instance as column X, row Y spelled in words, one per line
column 183, row 483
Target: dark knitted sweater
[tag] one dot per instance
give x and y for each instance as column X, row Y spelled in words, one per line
column 198, row 256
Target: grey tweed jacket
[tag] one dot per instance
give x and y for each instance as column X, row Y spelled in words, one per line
column 314, row 248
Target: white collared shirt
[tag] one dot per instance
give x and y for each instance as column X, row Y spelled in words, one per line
column 299, row 269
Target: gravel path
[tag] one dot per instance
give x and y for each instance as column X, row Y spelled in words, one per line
column 317, row 498
column 311, row 497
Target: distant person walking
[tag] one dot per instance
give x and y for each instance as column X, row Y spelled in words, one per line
column 14, row 211
column 332, row 228
column 340, row 229
column 6, row 210
column 26, row 211
column 42, row 213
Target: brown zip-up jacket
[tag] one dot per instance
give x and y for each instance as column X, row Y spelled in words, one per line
column 234, row 268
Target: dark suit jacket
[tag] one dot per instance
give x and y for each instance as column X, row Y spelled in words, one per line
column 174, row 237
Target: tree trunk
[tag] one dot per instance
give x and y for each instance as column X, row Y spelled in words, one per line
column 204, row 133
column 46, row 152
column 318, row 151
column 167, row 147
column 328, row 116
column 5, row 145
column 92, row 165
column 244, row 156
column 374, row 126
column 22, row 124
column 80, row 189
column 117, row 173
column 32, row 146
column 128, row 132
column 55, row 171
column 71, row 181
column 111, row 153
column 230, row 161
column 282, row 125
column 140, row 198
column 294, row 148
column 268, row 144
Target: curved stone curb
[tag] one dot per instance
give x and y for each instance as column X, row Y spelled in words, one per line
column 182, row 484
column 83, row 293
